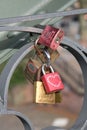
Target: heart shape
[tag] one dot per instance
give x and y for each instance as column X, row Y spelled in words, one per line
column 54, row 80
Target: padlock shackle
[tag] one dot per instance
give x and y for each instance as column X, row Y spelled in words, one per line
column 47, row 56
column 43, row 68
column 36, row 48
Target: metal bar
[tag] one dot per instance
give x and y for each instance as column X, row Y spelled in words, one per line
column 42, row 16
column 24, row 120
column 15, row 60
column 21, row 29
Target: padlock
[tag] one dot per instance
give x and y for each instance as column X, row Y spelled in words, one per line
column 51, row 37
column 39, row 52
column 54, row 54
column 40, row 94
column 31, row 69
column 41, row 55
column 52, row 81
column 58, row 97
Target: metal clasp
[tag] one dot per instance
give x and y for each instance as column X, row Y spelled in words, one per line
column 43, row 68
column 47, row 56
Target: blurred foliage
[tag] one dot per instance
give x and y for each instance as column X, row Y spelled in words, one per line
column 18, row 76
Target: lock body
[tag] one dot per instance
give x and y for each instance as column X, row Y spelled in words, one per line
column 51, row 37
column 41, row 96
column 58, row 97
column 39, row 91
column 52, row 81
column 31, row 69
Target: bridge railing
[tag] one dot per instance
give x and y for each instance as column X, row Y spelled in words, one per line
column 10, row 67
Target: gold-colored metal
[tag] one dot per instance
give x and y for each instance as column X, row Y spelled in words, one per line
column 58, row 97
column 39, row 90
column 41, row 96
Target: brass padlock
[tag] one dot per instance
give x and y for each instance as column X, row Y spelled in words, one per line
column 40, row 94
column 58, row 97
column 31, row 69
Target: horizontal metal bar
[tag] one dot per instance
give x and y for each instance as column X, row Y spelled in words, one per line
column 42, row 16
column 21, row 29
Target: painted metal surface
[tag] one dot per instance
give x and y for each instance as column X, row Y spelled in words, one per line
column 27, row 7
column 9, row 69
column 7, row 48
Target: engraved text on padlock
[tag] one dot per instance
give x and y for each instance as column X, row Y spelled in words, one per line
column 51, row 37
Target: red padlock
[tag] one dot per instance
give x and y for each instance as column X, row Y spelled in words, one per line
column 51, row 37
column 52, row 81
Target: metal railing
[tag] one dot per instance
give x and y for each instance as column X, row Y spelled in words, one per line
column 9, row 69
